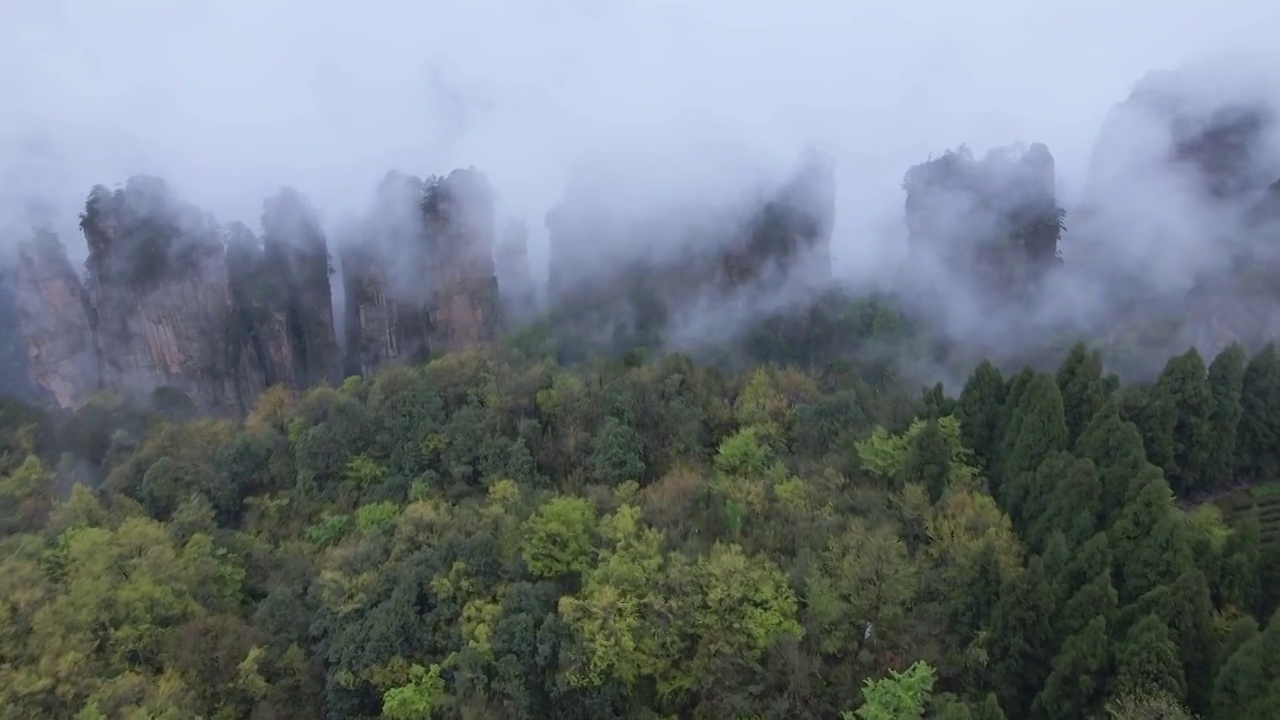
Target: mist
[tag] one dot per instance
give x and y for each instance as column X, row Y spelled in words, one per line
column 230, row 100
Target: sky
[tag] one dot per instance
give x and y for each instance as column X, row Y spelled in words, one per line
column 229, row 99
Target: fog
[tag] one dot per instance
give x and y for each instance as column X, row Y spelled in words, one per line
column 229, row 100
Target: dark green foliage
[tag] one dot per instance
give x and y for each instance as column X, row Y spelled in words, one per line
column 1148, row 658
column 1115, row 447
column 1084, row 389
column 615, row 453
column 1185, row 386
column 978, row 411
column 1021, row 639
column 1149, row 541
column 1258, row 439
column 1226, row 385
column 1037, row 429
column 1078, row 682
column 929, row 459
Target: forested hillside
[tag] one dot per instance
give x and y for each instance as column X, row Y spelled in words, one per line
column 495, row 535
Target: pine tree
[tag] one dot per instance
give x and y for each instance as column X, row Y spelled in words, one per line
column 1151, row 409
column 1226, row 384
column 1241, row 559
column 1258, row 439
column 1084, row 389
column 978, row 411
column 1021, row 639
column 1186, row 385
column 1073, row 508
column 1148, row 658
column 1149, row 541
column 1115, row 447
column 1243, row 687
column 1076, row 687
column 928, row 459
column 1037, row 429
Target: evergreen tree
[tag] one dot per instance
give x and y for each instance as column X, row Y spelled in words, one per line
column 1184, row 381
column 1076, row 687
column 1226, row 385
column 1244, row 686
column 1148, row 658
column 1152, row 410
column 928, row 459
column 978, row 411
column 1084, row 389
column 1037, row 429
column 1115, row 447
column 1021, row 638
column 1241, row 560
column 1074, row 505
column 1258, row 439
column 1149, row 541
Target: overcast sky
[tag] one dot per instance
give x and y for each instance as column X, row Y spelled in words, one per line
column 228, row 99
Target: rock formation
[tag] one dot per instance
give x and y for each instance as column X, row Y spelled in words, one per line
column 621, row 277
column 297, row 257
column 464, row 309
column 159, row 294
column 997, row 218
column 53, row 322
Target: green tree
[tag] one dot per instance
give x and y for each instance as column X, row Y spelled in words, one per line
column 1258, row 438
column 901, row 696
column 558, row 537
column 1037, row 429
column 1076, row 686
column 1084, row 389
column 419, row 699
column 615, row 453
column 1226, row 386
column 928, row 460
column 1148, row 659
column 978, row 410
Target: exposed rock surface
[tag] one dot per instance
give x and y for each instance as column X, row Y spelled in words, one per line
column 52, row 313
column 297, row 257
column 624, row 278
column 997, row 218
column 465, row 311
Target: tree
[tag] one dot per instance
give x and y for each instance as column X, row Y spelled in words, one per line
column 978, row 410
column 928, row 460
column 901, row 696
column 1186, row 387
column 1075, row 687
column 1021, row 639
column 417, row 700
column 1241, row 556
column 1226, row 386
column 1149, row 541
column 558, row 537
column 1115, row 447
column 1148, row 659
column 1258, row 438
column 1084, row 389
column 615, row 453
column 1037, row 429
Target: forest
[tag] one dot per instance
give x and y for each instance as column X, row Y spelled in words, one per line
column 497, row 534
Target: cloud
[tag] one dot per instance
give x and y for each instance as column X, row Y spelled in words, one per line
column 229, row 99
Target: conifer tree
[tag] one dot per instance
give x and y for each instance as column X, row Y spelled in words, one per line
column 1115, row 447
column 1186, row 385
column 1244, row 686
column 1037, row 429
column 1149, row 541
column 1021, row 639
column 978, row 411
column 1151, row 409
column 1076, row 687
column 1073, row 507
column 1258, row 439
column 1241, row 555
column 1226, row 384
column 1084, row 389
column 1148, row 658
column 928, row 459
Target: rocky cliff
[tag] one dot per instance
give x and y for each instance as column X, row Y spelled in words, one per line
column 622, row 276
column 996, row 218
column 519, row 294
column 172, row 300
column 53, row 322
column 464, row 309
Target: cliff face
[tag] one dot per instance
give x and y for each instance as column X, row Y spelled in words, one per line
column 172, row 300
column 159, row 292
column 996, row 218
column 52, row 313
column 465, row 310
column 620, row 279
column 297, row 257
column 381, row 328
